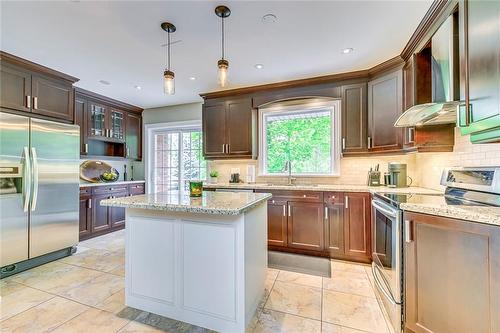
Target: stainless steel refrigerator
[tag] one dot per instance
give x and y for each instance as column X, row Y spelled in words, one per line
column 39, row 191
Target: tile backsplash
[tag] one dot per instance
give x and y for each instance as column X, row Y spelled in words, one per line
column 424, row 168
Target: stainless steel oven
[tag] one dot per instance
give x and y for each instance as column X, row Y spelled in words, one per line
column 387, row 255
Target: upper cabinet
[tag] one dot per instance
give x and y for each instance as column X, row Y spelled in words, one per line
column 108, row 127
column 354, row 118
column 480, row 70
column 229, row 128
column 385, row 104
column 29, row 87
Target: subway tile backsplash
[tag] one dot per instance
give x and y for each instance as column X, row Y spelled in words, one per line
column 424, row 168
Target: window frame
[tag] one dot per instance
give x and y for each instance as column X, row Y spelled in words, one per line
column 301, row 106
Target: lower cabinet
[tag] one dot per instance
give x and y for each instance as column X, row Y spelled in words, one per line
column 452, row 274
column 96, row 220
column 333, row 224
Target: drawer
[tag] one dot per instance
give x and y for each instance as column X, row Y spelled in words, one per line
column 307, row 196
column 110, row 189
column 136, row 189
column 333, row 198
column 85, row 190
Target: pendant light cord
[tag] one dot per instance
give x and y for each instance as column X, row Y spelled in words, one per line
column 222, row 37
column 168, row 50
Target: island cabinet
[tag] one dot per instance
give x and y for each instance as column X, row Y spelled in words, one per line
column 385, row 105
column 95, row 219
column 452, row 274
column 107, row 127
column 480, row 70
column 229, row 128
column 29, row 87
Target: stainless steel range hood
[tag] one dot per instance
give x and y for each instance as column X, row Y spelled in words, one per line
column 445, row 82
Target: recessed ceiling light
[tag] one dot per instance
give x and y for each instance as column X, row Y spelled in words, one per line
column 269, row 18
column 192, row 78
column 107, row 83
column 259, row 66
column 138, row 87
column 347, row 50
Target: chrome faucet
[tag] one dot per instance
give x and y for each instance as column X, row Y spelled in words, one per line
column 288, row 168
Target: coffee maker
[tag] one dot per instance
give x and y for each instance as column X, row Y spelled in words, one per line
column 397, row 175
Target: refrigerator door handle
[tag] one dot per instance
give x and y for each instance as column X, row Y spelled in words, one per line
column 26, row 179
column 34, row 161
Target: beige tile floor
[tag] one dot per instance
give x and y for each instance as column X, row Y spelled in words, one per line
column 84, row 293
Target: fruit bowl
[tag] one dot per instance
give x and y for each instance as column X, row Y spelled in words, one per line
column 109, row 176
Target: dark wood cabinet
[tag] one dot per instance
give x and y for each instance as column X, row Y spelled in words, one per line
column 354, row 118
column 384, row 108
column 305, row 225
column 480, row 70
column 29, row 87
column 452, row 274
column 277, row 222
column 15, row 90
column 133, row 136
column 357, row 225
column 229, row 129
column 334, row 224
column 96, row 220
column 85, row 219
column 52, row 98
column 108, row 127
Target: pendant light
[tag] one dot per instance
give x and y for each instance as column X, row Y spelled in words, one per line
column 168, row 75
column 222, row 64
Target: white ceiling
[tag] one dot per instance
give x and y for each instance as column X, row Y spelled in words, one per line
column 120, row 41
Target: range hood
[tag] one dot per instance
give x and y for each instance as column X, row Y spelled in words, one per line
column 445, row 82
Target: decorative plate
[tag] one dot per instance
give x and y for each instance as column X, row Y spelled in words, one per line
column 91, row 171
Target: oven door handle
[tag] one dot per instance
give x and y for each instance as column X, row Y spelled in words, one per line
column 383, row 209
column 381, row 285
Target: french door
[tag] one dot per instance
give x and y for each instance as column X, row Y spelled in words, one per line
column 177, row 159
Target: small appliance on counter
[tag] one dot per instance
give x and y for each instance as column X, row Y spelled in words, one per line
column 250, row 174
column 374, row 176
column 397, row 175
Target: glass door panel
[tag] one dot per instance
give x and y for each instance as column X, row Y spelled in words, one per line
column 97, row 120
column 117, row 125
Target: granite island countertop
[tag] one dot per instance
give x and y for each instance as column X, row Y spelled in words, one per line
column 217, row 203
column 323, row 187
column 481, row 214
column 121, row 182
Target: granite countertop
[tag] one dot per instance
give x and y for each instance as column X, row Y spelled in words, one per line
column 217, row 203
column 321, row 187
column 123, row 182
column 481, row 214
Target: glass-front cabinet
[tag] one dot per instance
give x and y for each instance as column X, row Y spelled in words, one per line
column 97, row 120
column 117, row 125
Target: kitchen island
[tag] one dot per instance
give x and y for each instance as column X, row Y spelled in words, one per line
column 198, row 260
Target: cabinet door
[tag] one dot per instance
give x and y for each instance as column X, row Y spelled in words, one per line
column 15, row 90
column 357, row 225
column 276, row 223
column 214, row 130
column 133, row 136
column 482, row 50
column 52, row 98
column 100, row 214
column 240, row 127
column 384, row 108
column 354, row 118
column 85, row 216
column 117, row 124
column 452, row 269
column 409, row 99
column 117, row 214
column 334, row 223
column 81, row 106
column 305, row 225
column 96, row 120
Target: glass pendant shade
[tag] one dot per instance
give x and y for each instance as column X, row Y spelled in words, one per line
column 222, row 72
column 168, row 82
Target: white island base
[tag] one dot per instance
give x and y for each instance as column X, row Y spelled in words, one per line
column 204, row 269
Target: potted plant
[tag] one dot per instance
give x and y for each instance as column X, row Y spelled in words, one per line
column 213, row 176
